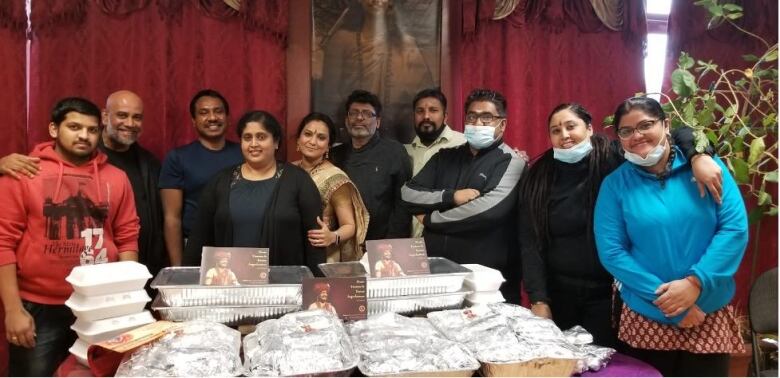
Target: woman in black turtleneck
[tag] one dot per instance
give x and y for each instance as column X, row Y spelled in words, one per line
column 561, row 270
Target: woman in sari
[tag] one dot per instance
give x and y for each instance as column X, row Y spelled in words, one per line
column 344, row 216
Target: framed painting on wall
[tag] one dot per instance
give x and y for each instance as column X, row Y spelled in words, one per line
column 391, row 48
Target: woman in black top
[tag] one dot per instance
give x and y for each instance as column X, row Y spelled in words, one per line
column 259, row 203
column 561, row 270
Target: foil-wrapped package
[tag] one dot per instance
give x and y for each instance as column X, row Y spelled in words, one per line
column 593, row 358
column 391, row 344
column 307, row 342
column 199, row 349
column 578, row 336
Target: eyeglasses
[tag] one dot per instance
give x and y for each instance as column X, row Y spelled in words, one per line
column 484, row 118
column 353, row 114
column 642, row 127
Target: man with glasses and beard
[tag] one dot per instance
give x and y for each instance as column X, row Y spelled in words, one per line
column 378, row 166
column 433, row 134
column 466, row 196
column 188, row 168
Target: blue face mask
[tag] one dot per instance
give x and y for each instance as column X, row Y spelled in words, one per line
column 573, row 154
column 479, row 137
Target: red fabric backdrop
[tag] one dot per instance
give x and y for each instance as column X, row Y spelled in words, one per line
column 165, row 51
column 13, row 23
column 725, row 46
column 544, row 53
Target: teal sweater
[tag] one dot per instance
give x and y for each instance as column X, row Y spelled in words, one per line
column 649, row 232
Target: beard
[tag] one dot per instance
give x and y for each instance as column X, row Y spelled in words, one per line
column 428, row 132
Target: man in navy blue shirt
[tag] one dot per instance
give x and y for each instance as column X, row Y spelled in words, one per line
column 188, row 168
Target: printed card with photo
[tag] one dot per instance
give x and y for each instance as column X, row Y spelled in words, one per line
column 397, row 257
column 233, row 266
column 343, row 296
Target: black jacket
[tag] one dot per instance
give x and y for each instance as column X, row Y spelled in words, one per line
column 293, row 210
column 151, row 245
column 481, row 231
column 379, row 169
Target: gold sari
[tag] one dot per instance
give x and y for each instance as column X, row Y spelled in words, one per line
column 328, row 179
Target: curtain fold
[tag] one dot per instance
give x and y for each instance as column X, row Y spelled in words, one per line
column 13, row 26
column 165, row 51
column 539, row 57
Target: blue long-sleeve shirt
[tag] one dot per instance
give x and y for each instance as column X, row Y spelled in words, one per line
column 649, row 232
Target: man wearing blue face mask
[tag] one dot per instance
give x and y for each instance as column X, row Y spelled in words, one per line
column 466, row 196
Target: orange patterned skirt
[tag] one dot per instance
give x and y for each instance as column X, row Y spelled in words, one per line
column 718, row 334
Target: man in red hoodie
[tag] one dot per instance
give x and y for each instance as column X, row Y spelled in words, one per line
column 77, row 210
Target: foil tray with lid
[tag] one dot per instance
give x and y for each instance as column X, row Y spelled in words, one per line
column 411, row 305
column 228, row 315
column 180, row 287
column 446, row 277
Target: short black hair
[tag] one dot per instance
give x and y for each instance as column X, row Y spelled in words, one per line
column 208, row 93
column 430, row 92
column 314, row 116
column 364, row 97
column 73, row 104
column 489, row 95
column 575, row 108
column 264, row 118
column 648, row 105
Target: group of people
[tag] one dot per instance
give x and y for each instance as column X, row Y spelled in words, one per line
column 630, row 239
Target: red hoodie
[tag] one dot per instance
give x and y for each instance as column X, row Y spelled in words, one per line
column 64, row 217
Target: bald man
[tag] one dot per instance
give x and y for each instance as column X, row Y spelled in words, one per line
column 122, row 121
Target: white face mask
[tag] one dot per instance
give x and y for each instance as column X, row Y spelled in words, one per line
column 652, row 158
column 479, row 137
column 575, row 153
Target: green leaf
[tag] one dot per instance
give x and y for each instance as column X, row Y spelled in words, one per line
column 764, row 198
column 723, row 129
column 715, row 22
column 738, row 145
column 740, row 170
column 756, row 214
column 678, row 83
column 750, row 58
column 685, row 62
column 732, row 7
column 772, row 211
column 771, row 56
column 705, row 118
column 769, row 120
column 743, row 131
column 771, row 176
column 734, row 16
column 715, row 9
column 730, row 111
column 712, row 138
column 757, row 148
column 608, row 121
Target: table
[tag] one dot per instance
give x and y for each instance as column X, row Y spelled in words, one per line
column 620, row 366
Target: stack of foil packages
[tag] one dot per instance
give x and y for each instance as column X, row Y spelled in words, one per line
column 307, row 342
column 503, row 333
column 197, row 349
column 391, row 344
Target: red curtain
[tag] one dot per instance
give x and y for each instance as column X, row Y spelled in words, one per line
column 165, row 51
column 13, row 23
column 544, row 53
column 725, row 46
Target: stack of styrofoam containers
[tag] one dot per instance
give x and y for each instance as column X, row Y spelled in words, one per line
column 485, row 283
column 107, row 300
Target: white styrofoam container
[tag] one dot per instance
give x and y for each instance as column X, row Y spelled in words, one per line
column 96, row 331
column 116, row 277
column 483, row 278
column 107, row 306
column 79, row 349
column 485, row 297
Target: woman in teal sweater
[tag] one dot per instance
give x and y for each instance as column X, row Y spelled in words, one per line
column 672, row 253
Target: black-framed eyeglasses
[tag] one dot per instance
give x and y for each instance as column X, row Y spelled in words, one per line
column 642, row 127
column 353, row 114
column 484, row 118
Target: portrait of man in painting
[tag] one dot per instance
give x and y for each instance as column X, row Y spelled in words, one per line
column 388, row 47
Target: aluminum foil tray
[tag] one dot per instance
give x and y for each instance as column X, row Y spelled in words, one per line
column 446, row 277
column 179, row 287
column 227, row 315
column 411, row 305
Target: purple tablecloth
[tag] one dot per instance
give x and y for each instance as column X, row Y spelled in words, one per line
column 624, row 366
